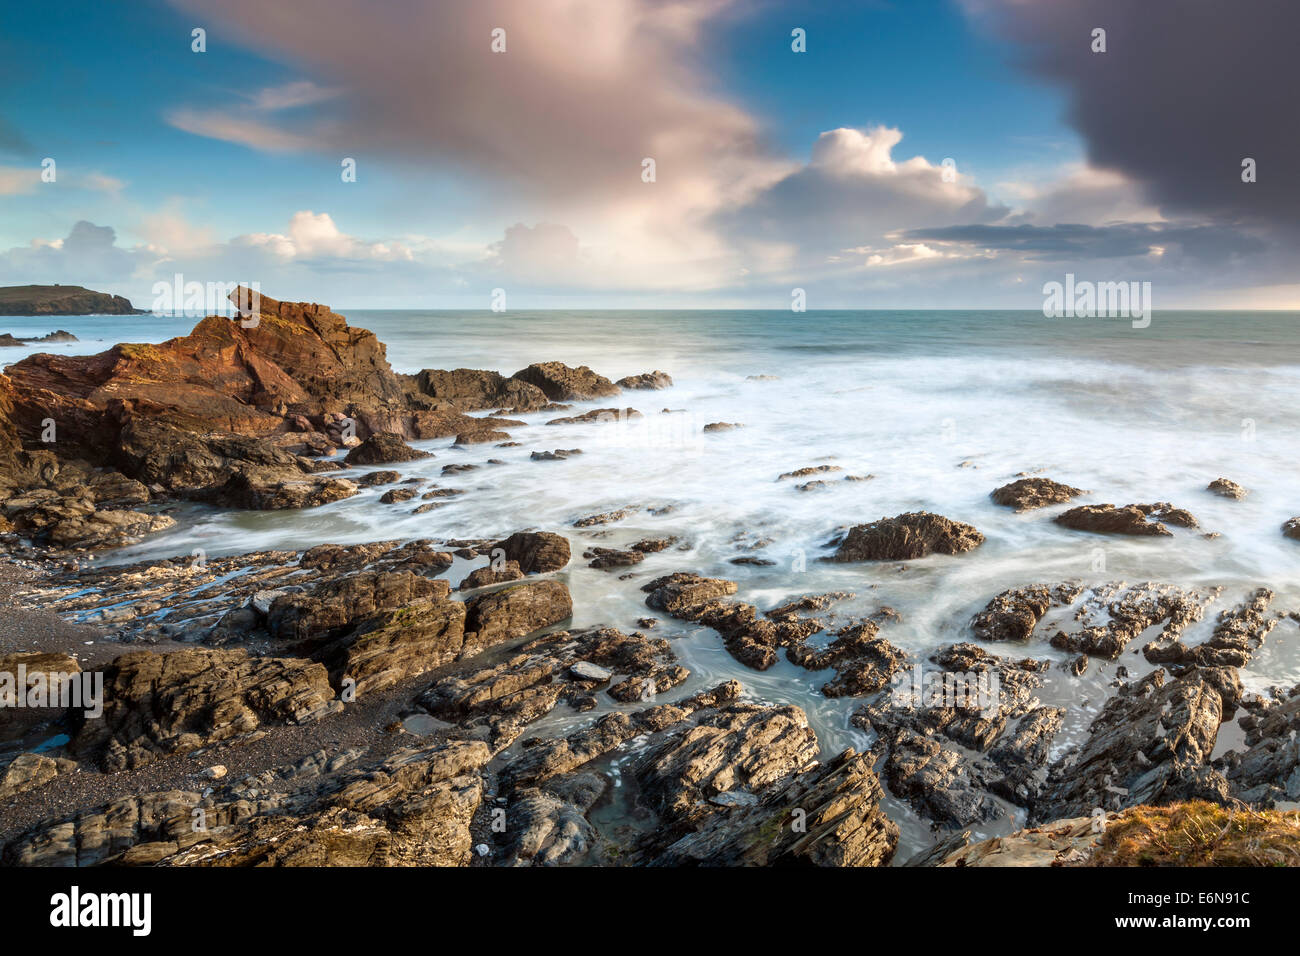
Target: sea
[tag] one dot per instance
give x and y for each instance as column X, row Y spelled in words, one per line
column 937, row 407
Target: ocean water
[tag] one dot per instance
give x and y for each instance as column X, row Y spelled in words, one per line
column 939, row 408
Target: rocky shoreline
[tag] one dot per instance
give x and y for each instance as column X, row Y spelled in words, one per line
column 431, row 702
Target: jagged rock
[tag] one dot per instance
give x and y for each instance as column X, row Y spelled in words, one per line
column 558, row 455
column 1226, row 488
column 537, row 552
column 1028, row 493
column 491, row 574
column 605, row 517
column 73, row 521
column 598, row 415
column 174, row 703
column 381, row 449
column 1107, row 519
column 609, row 559
column 810, row 470
column 372, row 478
column 646, row 380
column 560, row 383
column 412, row 807
column 722, row 426
column 840, row 823
column 1131, row 610
column 480, row 436
column 906, row 537
column 241, row 491
column 1268, row 771
column 1238, row 634
column 395, row 495
column 31, row 770
column 1150, row 745
column 477, row 389
column 515, row 610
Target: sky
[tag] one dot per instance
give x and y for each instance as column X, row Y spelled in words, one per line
column 913, row 154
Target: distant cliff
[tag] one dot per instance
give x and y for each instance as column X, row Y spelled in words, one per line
column 62, row 300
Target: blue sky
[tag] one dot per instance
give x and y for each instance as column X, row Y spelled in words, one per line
column 521, row 170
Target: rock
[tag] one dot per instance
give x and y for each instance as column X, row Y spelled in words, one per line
column 174, row 703
column 482, row 577
column 1028, row 493
column 1292, row 529
column 31, row 770
column 1107, row 519
column 394, row 645
column 610, row 559
column 742, row 746
column 1226, row 488
column 536, row 552
column 585, row 670
column 646, row 380
column 75, row 522
column 1060, row 843
column 1267, row 772
column 841, row 824
column 215, row 772
column 372, row 478
column 1130, row 611
column 410, row 807
column 395, row 495
column 597, row 415
column 480, row 437
column 1239, row 633
column 515, row 610
column 1150, row 745
column 477, row 389
column 810, row 470
column 560, row 383
column 244, row 492
column 606, row 517
column 722, row 426
column 907, row 537
column 381, row 449
column 1013, row 614
column 558, row 455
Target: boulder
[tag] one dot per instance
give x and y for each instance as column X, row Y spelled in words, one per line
column 560, row 383
column 382, row 449
column 1028, row 493
column 906, row 537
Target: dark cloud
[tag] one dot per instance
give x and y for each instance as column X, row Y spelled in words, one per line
column 1185, row 90
column 1065, row 241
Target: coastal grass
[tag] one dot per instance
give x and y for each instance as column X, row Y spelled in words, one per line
column 1197, row 833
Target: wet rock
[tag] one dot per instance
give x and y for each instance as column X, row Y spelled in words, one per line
column 411, row 807
column 1267, row 772
column 241, row 491
column 382, row 448
column 491, row 574
column 515, row 610
column 1013, row 614
column 598, row 415
column 1130, row 610
column 907, row 537
column 394, row 495
column 536, row 552
column 1238, row 634
column 722, row 426
column 585, row 670
column 840, row 823
column 655, row 545
column 558, row 455
column 1107, row 519
column 1226, row 488
column 161, row 704
column 809, row 471
column 1150, row 745
column 646, row 380
column 606, row 517
column 609, row 559
column 74, row 521
column 477, row 389
column 372, row 478
column 560, row 383
column 1292, row 529
column 1028, row 493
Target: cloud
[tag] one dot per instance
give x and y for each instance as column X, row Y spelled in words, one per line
column 89, row 253
column 1183, row 93
column 242, row 129
column 314, row 235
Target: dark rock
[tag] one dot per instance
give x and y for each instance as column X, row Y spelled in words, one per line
column 906, row 537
